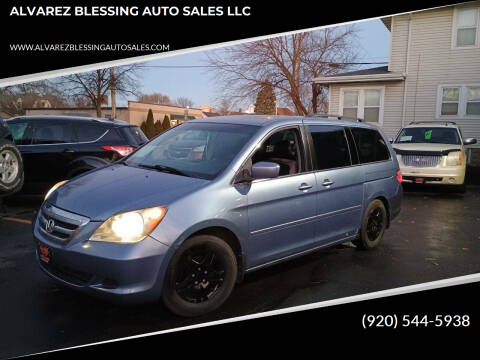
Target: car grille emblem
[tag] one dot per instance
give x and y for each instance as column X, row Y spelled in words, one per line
column 50, row 226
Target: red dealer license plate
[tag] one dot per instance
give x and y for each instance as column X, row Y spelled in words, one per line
column 419, row 180
column 44, row 253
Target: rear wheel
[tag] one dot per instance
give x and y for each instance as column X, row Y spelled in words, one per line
column 200, row 276
column 11, row 168
column 373, row 227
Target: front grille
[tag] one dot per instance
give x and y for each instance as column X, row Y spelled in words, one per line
column 59, row 225
column 421, row 160
column 71, row 276
column 426, row 178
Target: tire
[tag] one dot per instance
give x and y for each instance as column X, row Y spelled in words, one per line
column 11, row 168
column 216, row 276
column 374, row 223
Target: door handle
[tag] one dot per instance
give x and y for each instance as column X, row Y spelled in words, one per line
column 304, row 186
column 327, row 182
column 68, row 151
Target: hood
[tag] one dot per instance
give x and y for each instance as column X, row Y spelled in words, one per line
column 426, row 147
column 117, row 188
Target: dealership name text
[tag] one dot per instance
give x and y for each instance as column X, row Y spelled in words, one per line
column 130, row 11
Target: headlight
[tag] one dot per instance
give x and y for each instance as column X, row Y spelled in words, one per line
column 454, row 158
column 130, row 227
column 54, row 187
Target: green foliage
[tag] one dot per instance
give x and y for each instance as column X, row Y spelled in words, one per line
column 143, row 127
column 266, row 103
column 166, row 123
column 150, row 126
column 158, row 127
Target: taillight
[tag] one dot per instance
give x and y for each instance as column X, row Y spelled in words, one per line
column 399, row 176
column 122, row 150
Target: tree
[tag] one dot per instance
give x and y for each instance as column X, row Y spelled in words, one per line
column 155, row 98
column 225, row 106
column 289, row 63
column 158, row 127
column 143, row 127
column 93, row 86
column 149, row 125
column 166, row 123
column 14, row 100
column 184, row 102
column 266, row 103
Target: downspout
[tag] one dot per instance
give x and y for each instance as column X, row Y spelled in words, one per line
column 407, row 55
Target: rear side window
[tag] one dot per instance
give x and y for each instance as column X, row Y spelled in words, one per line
column 21, row 133
column 52, row 132
column 370, row 145
column 330, row 147
column 134, row 135
column 138, row 134
column 88, row 132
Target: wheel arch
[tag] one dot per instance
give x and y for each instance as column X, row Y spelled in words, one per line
column 224, row 232
column 385, row 202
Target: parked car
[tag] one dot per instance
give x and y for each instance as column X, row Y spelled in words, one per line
column 56, row 148
column 11, row 163
column 187, row 229
column 433, row 152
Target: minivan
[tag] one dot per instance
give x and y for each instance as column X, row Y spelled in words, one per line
column 185, row 226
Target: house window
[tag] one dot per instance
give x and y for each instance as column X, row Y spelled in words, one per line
column 450, row 98
column 363, row 103
column 457, row 101
column 371, row 112
column 473, row 100
column 466, row 27
column 350, row 103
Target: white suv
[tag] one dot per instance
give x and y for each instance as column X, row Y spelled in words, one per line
column 432, row 152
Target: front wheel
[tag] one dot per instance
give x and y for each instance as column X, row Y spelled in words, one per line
column 373, row 227
column 11, row 168
column 200, row 276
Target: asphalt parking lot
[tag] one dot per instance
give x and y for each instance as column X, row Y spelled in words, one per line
column 436, row 236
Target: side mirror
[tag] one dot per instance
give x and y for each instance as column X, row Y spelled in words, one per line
column 265, row 170
column 469, row 141
column 390, row 140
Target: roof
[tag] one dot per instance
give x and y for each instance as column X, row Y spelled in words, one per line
column 380, row 73
column 71, row 117
column 387, row 21
column 439, row 123
column 371, row 71
column 265, row 120
column 210, row 113
column 168, row 105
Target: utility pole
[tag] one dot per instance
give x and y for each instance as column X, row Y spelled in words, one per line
column 113, row 92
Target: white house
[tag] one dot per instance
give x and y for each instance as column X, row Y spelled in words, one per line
column 433, row 74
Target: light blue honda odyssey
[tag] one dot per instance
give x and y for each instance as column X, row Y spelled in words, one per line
column 188, row 214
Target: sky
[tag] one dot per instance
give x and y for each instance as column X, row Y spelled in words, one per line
column 198, row 84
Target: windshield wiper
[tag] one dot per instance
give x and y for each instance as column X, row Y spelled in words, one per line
column 164, row 168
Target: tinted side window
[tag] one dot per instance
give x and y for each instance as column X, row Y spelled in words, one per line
column 21, row 132
column 88, row 132
column 370, row 145
column 330, row 146
column 52, row 132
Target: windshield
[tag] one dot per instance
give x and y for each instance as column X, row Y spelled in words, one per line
column 194, row 149
column 429, row 135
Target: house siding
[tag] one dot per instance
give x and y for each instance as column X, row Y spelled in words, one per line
column 431, row 62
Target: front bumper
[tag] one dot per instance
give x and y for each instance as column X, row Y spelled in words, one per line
column 123, row 273
column 438, row 175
